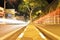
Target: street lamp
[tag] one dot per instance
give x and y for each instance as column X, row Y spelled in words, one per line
column 4, row 6
column 40, row 11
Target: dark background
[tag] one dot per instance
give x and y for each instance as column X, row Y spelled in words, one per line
column 2, row 3
column 49, row 1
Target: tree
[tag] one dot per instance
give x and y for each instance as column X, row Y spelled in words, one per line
column 32, row 6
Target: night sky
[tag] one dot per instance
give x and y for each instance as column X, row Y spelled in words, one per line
column 2, row 3
column 49, row 1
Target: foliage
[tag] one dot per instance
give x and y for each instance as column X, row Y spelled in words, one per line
column 22, row 8
column 32, row 5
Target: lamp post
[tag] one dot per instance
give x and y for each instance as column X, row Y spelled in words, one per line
column 4, row 6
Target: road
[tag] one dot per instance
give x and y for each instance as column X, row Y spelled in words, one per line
column 50, row 30
column 31, row 33
column 53, row 28
column 7, row 29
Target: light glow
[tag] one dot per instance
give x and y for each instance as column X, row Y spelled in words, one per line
column 13, row 21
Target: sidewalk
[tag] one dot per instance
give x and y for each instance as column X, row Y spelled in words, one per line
column 31, row 33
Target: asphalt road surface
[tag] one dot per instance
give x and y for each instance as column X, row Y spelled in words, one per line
column 6, row 29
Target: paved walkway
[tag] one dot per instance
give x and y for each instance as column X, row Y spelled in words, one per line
column 31, row 33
